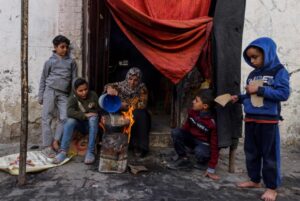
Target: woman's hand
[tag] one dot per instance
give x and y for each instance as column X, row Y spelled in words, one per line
column 234, row 98
column 111, row 91
column 212, row 176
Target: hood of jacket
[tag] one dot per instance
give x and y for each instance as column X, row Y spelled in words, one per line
column 268, row 46
column 55, row 56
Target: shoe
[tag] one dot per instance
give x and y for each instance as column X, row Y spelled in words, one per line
column 174, row 158
column 49, row 152
column 60, row 157
column 140, row 153
column 89, row 158
column 181, row 163
column 143, row 154
column 136, row 153
column 200, row 166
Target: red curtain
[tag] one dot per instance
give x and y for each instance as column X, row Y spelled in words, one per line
column 172, row 34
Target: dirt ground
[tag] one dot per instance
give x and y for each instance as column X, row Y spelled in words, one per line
column 77, row 181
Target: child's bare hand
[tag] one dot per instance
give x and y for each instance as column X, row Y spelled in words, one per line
column 90, row 114
column 234, row 98
column 251, row 88
column 211, row 175
column 112, row 91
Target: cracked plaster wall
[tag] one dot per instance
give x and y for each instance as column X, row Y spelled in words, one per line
column 46, row 20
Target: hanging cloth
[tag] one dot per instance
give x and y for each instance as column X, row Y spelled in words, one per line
column 172, row 34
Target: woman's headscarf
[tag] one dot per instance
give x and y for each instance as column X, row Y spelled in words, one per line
column 125, row 90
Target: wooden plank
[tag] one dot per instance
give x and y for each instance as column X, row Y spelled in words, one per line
column 231, row 166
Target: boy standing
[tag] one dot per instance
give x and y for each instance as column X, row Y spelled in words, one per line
column 262, row 141
column 55, row 85
column 83, row 116
column 199, row 134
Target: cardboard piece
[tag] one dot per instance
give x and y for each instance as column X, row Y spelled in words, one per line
column 36, row 161
column 223, row 99
column 135, row 169
column 257, row 101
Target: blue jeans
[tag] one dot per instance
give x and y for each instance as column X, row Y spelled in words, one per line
column 183, row 139
column 90, row 126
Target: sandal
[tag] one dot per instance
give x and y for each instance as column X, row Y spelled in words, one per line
column 89, row 158
column 49, row 152
column 60, row 157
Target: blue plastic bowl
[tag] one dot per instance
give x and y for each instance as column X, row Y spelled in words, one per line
column 110, row 103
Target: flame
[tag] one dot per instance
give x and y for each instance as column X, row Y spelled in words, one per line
column 128, row 115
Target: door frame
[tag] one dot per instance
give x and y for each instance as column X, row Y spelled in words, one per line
column 96, row 31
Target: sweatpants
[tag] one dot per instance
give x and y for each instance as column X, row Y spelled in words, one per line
column 140, row 129
column 262, row 150
column 54, row 103
column 183, row 140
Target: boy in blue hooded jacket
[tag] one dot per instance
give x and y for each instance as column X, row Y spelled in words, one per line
column 262, row 141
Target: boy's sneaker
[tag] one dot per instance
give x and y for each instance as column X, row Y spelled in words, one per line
column 60, row 157
column 49, row 152
column 140, row 153
column 89, row 158
column 200, row 166
column 180, row 164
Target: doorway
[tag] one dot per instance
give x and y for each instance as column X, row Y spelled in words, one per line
column 226, row 47
column 122, row 56
column 111, row 54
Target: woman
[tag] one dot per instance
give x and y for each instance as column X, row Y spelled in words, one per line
column 133, row 93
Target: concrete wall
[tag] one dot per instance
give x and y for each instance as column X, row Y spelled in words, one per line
column 46, row 20
column 279, row 19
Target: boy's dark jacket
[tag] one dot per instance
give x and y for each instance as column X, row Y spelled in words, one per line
column 276, row 85
column 90, row 104
column 202, row 126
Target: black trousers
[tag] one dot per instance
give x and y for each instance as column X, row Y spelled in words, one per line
column 140, row 129
column 183, row 139
column 262, row 150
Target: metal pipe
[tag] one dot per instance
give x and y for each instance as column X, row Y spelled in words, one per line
column 24, row 92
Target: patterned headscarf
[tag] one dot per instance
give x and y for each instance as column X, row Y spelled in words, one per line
column 134, row 72
column 125, row 90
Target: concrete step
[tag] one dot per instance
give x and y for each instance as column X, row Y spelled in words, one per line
column 160, row 139
column 160, row 134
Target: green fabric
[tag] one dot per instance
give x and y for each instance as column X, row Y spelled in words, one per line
column 90, row 104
